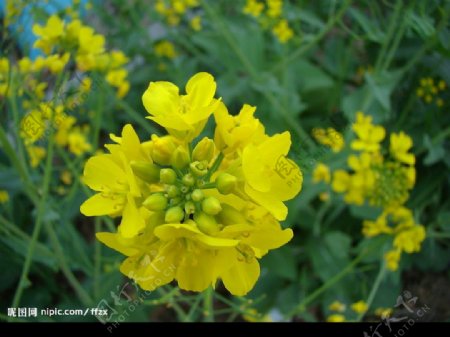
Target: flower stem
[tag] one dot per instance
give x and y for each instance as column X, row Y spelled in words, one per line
column 375, row 287
column 208, row 310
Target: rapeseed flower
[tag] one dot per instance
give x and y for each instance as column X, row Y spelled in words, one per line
column 194, row 211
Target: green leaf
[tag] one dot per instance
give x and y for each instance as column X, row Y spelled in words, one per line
column 330, row 254
column 423, row 25
column 372, row 30
column 282, row 263
column 436, row 152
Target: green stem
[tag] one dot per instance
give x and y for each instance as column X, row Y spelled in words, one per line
column 223, row 29
column 208, row 309
column 37, row 227
column 313, row 42
column 60, row 256
column 11, row 153
column 390, row 33
column 375, row 287
column 332, row 281
column 97, row 259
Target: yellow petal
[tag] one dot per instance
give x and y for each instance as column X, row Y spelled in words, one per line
column 161, row 98
column 115, row 241
column 241, row 277
column 274, row 205
column 102, row 173
column 132, row 220
column 173, row 231
column 200, row 89
column 195, row 272
column 255, row 170
column 101, row 205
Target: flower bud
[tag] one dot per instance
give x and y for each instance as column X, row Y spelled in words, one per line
column 180, row 158
column 211, row 206
column 174, row 215
column 162, row 149
column 146, row 171
column 173, row 191
column 226, row 183
column 197, row 195
column 188, row 180
column 155, row 202
column 167, row 176
column 199, row 168
column 189, row 207
column 230, row 216
column 206, row 223
column 204, row 150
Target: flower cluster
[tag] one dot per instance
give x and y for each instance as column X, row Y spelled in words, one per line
column 194, row 209
column 329, row 137
column 382, row 181
column 59, row 40
column 429, row 90
column 271, row 18
column 174, row 10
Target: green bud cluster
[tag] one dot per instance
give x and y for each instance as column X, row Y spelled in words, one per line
column 183, row 198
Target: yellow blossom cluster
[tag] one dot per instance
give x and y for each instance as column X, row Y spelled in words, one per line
column 329, row 137
column 175, row 10
column 59, row 40
column 194, row 209
column 429, row 90
column 379, row 180
column 270, row 15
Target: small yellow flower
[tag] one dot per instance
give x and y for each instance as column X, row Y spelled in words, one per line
column 253, row 8
column 400, row 144
column 337, row 306
column 184, row 116
column 165, row 48
column 321, row 173
column 66, row 177
column 196, row 23
column 4, row 196
column 282, row 31
column 410, row 240
column 359, row 307
column 392, row 259
column 383, row 312
column 336, row 318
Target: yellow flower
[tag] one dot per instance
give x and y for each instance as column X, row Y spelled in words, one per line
column 321, row 173
column 409, row 240
column 377, row 227
column 49, row 34
column 271, row 178
column 253, row 8
column 4, row 196
column 359, row 307
column 399, row 147
column 370, row 136
column 196, row 23
column 77, row 142
column 282, row 31
column 337, row 306
column 392, row 259
column 236, row 132
column 36, row 153
column 383, row 312
column 329, row 137
column 66, row 177
column 336, row 318
column 111, row 175
column 165, row 49
column 184, row 116
column 275, row 8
